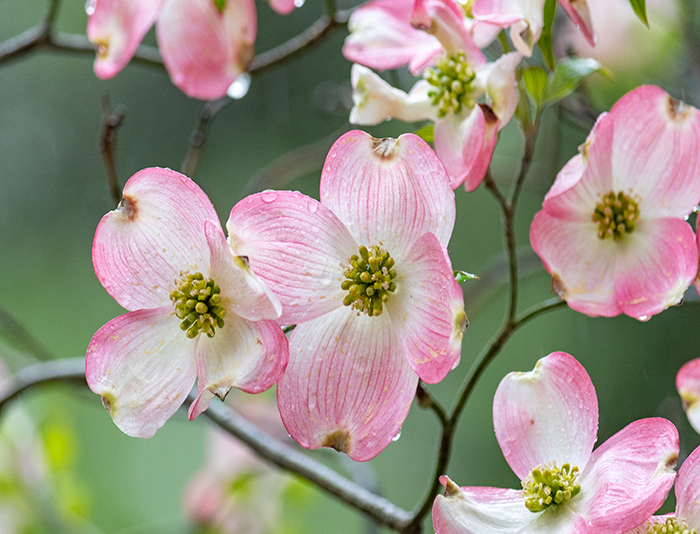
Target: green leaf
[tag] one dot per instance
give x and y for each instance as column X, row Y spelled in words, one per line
column 535, row 79
column 568, row 75
column 461, row 276
column 640, row 9
column 220, row 5
column 426, row 133
column 545, row 42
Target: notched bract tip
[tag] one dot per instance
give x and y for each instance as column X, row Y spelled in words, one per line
column 127, row 208
column 678, row 111
column 338, row 440
column 385, row 148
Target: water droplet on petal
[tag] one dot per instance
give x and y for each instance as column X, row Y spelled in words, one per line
column 397, row 436
column 268, row 196
column 90, row 6
column 239, row 88
column 299, row 3
column 643, row 317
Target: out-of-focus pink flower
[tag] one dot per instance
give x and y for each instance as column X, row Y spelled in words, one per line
column 194, row 308
column 525, row 18
column 465, row 131
column 236, row 492
column 546, row 423
column 365, row 275
column 688, row 386
column 686, row 518
column 612, row 231
column 205, row 44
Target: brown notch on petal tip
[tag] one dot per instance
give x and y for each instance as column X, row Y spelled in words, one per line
column 489, row 116
column 677, row 110
column 558, row 287
column 107, row 405
column 672, row 462
column 386, row 147
column 338, row 440
column 451, row 489
column 127, row 208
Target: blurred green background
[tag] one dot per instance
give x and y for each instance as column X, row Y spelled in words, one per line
column 53, row 192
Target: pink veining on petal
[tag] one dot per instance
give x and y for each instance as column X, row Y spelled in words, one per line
column 688, row 490
column 547, row 415
column 580, row 15
column 629, row 476
column 296, row 246
column 688, row 386
column 117, row 27
column 388, row 192
column 157, row 231
column 204, row 49
column 143, row 366
column 427, row 310
column 656, row 267
column 348, row 385
column 244, row 354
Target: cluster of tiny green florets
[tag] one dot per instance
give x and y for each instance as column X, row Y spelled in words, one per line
column 616, row 215
column 196, row 302
column 671, row 526
column 369, row 280
column 550, row 486
column 453, row 80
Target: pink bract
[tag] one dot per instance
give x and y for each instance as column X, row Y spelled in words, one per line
column 688, row 386
column 204, row 49
column 645, row 154
column 525, row 18
column 143, row 364
column 548, row 418
column 351, row 376
column 687, row 513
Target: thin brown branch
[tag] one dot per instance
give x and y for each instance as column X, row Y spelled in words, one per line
column 111, row 120
column 428, row 402
column 377, row 508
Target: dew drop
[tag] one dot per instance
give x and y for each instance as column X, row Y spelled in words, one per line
column 643, row 317
column 299, row 3
column 397, row 436
column 90, row 6
column 239, row 88
column 268, row 196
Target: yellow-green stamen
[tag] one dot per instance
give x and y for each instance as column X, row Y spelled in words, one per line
column 672, row 525
column 616, row 215
column 197, row 302
column 368, row 280
column 453, row 80
column 550, row 486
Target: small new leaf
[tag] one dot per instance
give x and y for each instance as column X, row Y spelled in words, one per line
column 568, row 75
column 220, row 5
column 640, row 9
column 535, row 80
column 545, row 41
column 426, row 133
column 461, row 276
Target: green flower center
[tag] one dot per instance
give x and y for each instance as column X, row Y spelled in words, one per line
column 672, row 525
column 616, row 215
column 196, row 302
column 547, row 487
column 453, row 80
column 368, row 280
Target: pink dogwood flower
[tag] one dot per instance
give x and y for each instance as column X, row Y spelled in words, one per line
column 194, row 308
column 365, row 276
column 612, row 231
column 205, row 44
column 465, row 131
column 546, row 423
column 686, row 518
column 688, row 386
column 525, row 18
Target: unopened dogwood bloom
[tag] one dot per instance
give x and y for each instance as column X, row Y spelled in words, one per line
column 612, row 231
column 686, row 518
column 465, row 131
column 194, row 308
column 365, row 276
column 205, row 44
column 546, row 423
column 688, row 386
column 525, row 18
